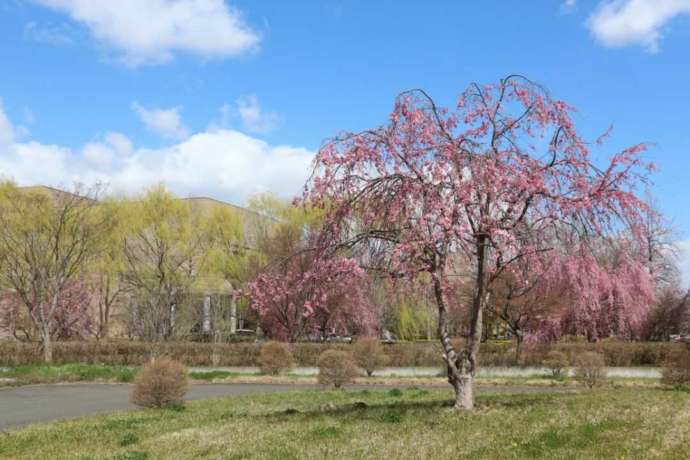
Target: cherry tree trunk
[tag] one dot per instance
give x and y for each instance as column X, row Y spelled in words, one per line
column 206, row 315
column 462, row 365
column 519, row 338
column 464, row 392
column 104, row 330
column 103, row 319
column 47, row 346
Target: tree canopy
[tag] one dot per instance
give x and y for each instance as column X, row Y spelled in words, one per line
column 504, row 177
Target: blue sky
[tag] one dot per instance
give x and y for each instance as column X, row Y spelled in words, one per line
column 232, row 98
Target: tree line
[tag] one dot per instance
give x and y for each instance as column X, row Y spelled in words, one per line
column 70, row 259
column 64, row 254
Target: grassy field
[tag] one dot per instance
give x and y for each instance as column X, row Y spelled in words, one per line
column 393, row 424
column 39, row 373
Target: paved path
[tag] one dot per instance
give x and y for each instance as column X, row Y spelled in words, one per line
column 41, row 403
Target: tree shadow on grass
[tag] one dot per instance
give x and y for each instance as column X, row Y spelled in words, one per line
column 517, row 401
column 385, row 411
column 680, row 389
column 394, row 410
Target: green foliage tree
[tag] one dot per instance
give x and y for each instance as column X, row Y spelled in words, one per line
column 224, row 271
column 48, row 240
column 105, row 272
column 164, row 248
column 175, row 253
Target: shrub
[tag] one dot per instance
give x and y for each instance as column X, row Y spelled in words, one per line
column 676, row 369
column 275, row 357
column 307, row 354
column 369, row 354
column 130, row 353
column 555, row 361
column 161, row 383
column 336, row 368
column 590, row 369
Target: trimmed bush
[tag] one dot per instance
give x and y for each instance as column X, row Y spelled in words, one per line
column 275, row 357
column 336, row 368
column 161, row 383
column 556, row 362
column 590, row 369
column 676, row 370
column 307, row 354
column 369, row 355
column 130, row 353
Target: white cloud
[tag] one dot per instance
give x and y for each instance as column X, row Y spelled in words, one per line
column 223, row 163
column 254, row 119
column 164, row 122
column 617, row 23
column 570, row 3
column 102, row 154
column 48, row 164
column 154, row 31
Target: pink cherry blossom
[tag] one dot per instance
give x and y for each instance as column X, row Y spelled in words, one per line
column 72, row 317
column 329, row 297
column 467, row 193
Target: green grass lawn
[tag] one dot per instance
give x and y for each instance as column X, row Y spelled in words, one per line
column 393, row 424
column 40, row 373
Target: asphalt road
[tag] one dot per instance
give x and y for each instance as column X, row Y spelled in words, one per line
column 41, row 403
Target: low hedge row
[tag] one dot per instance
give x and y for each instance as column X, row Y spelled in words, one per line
column 306, row 354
